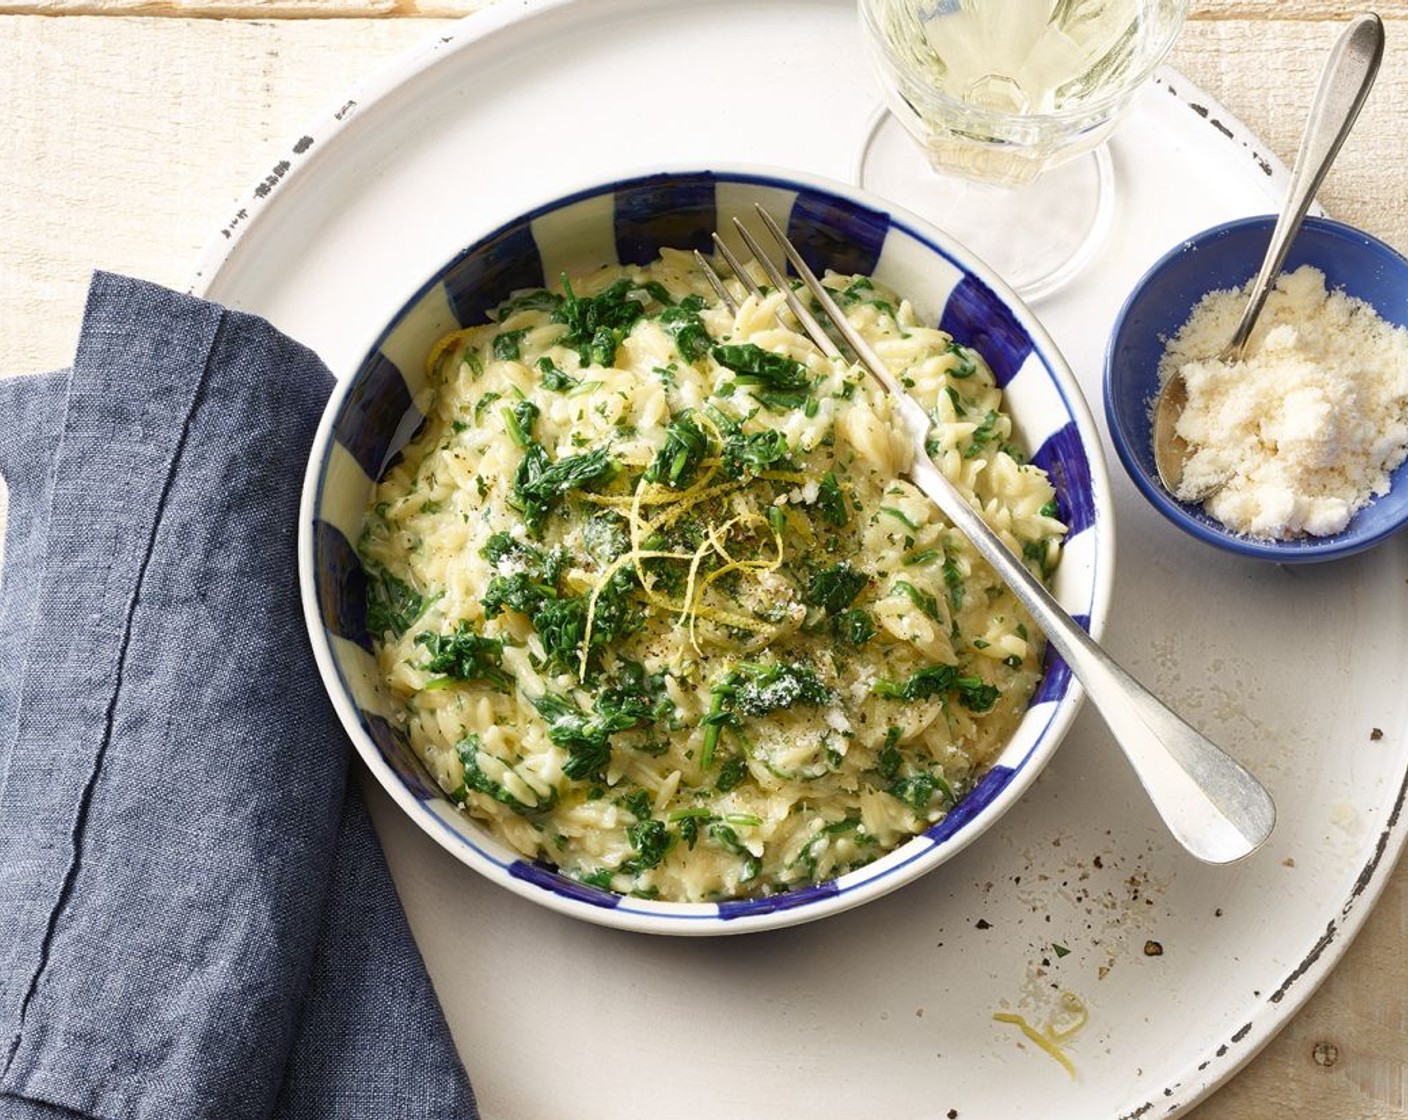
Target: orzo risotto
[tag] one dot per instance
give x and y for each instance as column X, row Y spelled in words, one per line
column 656, row 607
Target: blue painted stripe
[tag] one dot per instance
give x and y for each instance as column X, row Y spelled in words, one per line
column 372, row 412
column 976, row 317
column 974, row 802
column 394, row 746
column 751, row 907
column 1063, row 458
column 664, row 212
column 341, row 584
column 837, row 234
column 1056, row 678
column 488, row 273
column 550, row 879
column 1056, row 674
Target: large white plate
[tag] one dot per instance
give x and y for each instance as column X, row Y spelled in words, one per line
column 887, row 1010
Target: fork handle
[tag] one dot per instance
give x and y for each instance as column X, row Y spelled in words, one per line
column 1213, row 806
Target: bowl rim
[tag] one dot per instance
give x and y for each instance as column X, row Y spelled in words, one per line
column 1182, row 514
column 898, row 866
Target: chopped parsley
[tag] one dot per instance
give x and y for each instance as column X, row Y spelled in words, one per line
column 982, row 436
column 967, row 364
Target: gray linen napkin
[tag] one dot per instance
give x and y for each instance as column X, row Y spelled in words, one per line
column 195, row 917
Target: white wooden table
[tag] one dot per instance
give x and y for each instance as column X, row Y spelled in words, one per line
column 132, row 128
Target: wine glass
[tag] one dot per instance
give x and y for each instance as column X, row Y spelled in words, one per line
column 997, row 113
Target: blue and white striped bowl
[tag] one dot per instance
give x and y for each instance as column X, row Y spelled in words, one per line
column 374, row 412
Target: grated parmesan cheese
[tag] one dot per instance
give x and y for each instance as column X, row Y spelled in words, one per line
column 1304, row 431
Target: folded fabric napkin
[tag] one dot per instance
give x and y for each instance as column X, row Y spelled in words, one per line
column 195, row 917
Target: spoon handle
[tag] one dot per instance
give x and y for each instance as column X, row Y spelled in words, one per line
column 1344, row 84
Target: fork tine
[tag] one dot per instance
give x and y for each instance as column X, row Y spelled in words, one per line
column 715, row 281
column 862, row 349
column 815, row 331
column 744, row 277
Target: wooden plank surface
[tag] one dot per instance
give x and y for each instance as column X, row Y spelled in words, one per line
column 169, row 120
column 133, row 128
column 1281, row 11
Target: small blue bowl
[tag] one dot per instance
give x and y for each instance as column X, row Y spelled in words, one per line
column 1228, row 256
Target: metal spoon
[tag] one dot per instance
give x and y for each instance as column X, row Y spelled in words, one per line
column 1344, row 84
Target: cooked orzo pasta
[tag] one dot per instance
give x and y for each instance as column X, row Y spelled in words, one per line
column 656, row 606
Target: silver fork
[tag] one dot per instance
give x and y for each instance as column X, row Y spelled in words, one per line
column 1216, row 809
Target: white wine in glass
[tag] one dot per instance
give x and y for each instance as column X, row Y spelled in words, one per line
column 998, row 110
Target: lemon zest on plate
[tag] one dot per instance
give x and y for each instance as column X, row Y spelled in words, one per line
column 1076, row 1017
column 1051, row 1038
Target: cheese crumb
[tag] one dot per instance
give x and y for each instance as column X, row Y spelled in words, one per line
column 1303, row 432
